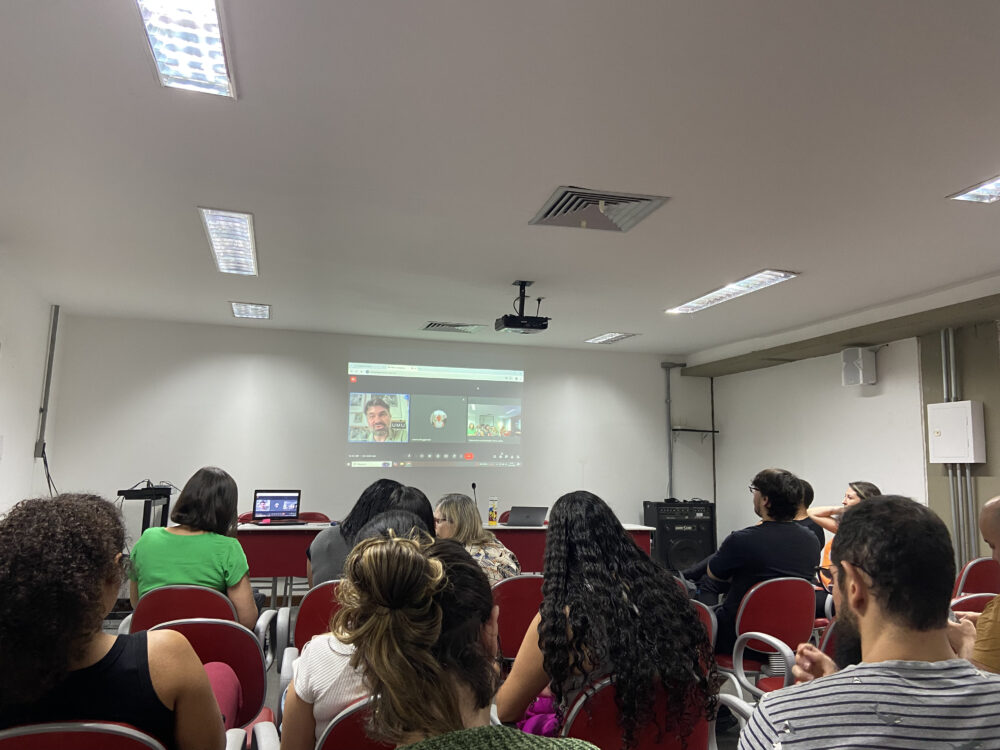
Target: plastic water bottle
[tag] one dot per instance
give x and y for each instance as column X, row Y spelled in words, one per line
column 494, row 510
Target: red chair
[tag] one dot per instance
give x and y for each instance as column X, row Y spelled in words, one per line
column 232, row 644
column 593, row 717
column 77, row 735
column 775, row 616
column 346, row 731
column 245, row 517
column 707, row 616
column 828, row 643
column 504, row 516
column 317, row 609
column 972, row 602
column 979, row 576
column 519, row 598
column 313, row 516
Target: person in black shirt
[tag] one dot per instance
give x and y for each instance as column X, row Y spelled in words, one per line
column 802, row 517
column 775, row 548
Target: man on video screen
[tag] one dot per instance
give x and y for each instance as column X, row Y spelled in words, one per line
column 380, row 422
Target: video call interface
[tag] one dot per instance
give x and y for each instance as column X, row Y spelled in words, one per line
column 276, row 505
column 421, row 415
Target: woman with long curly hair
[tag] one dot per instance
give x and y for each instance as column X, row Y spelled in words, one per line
column 424, row 630
column 608, row 609
column 60, row 573
column 201, row 550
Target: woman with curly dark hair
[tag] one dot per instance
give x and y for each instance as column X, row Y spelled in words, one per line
column 201, row 550
column 608, row 609
column 60, row 573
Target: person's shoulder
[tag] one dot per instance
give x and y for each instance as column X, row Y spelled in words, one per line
column 498, row 738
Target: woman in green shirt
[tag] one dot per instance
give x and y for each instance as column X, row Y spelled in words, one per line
column 202, row 549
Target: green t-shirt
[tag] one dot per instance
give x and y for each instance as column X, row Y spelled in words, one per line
column 160, row 558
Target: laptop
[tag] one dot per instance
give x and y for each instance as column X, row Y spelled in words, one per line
column 527, row 515
column 276, row 507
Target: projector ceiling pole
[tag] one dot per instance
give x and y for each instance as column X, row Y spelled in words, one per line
column 523, row 296
column 667, row 367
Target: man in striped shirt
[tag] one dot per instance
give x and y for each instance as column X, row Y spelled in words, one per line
column 893, row 571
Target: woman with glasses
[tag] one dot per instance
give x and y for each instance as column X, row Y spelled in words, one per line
column 457, row 517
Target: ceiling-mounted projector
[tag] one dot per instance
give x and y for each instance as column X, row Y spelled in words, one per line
column 522, row 323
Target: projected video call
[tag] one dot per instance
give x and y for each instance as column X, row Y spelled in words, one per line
column 417, row 415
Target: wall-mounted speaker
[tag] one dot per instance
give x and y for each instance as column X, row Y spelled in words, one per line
column 858, row 366
column 685, row 531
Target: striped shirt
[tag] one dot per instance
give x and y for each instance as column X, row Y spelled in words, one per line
column 890, row 704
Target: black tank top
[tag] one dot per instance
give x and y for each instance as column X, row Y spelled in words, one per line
column 117, row 688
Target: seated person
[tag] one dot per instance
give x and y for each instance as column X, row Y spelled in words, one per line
column 424, row 629
column 775, row 548
column 828, row 516
column 324, row 682
column 893, row 571
column 607, row 608
column 60, row 573
column 202, row 549
column 802, row 515
column 457, row 517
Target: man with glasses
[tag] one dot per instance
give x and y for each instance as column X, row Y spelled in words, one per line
column 893, row 571
column 774, row 548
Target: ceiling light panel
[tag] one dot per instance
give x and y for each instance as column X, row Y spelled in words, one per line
column 610, row 338
column 251, row 310
column 753, row 283
column 185, row 38
column 231, row 236
column 986, row 192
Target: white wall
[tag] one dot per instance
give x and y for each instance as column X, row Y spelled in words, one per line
column 799, row 417
column 24, row 325
column 157, row 400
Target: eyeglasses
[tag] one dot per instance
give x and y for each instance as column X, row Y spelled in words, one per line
column 439, row 520
column 753, row 489
column 825, row 577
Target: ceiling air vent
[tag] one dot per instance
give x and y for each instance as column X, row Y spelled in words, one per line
column 596, row 209
column 439, row 327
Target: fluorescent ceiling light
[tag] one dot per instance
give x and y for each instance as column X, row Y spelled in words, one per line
column 609, row 338
column 185, row 38
column 736, row 289
column 986, row 192
column 231, row 236
column 251, row 310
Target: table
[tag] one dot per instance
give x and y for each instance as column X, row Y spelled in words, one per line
column 277, row 551
column 528, row 542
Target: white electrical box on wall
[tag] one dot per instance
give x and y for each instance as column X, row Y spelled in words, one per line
column 955, row 433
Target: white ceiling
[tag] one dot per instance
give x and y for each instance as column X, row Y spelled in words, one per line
column 392, row 154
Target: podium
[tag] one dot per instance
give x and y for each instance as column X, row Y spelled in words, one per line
column 152, row 497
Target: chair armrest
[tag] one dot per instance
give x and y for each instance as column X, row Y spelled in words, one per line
column 125, row 625
column 265, row 737
column 285, row 678
column 235, row 739
column 283, row 637
column 740, row 647
column 729, row 680
column 264, row 623
column 740, row 708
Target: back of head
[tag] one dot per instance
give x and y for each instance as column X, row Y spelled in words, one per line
column 461, row 510
column 394, row 522
column 375, row 498
column 807, row 493
column 906, row 550
column 413, row 500
column 414, row 615
column 607, row 604
column 865, row 490
column 783, row 491
column 208, row 502
column 57, row 556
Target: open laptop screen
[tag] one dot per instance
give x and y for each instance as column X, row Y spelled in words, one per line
column 275, row 504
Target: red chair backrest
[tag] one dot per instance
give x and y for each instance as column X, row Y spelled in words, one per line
column 232, row 644
column 781, row 607
column 504, row 516
column 594, row 717
column 707, row 617
column 972, row 602
column 179, row 603
column 519, row 598
column 313, row 516
column 77, row 735
column 979, row 576
column 346, row 731
column 245, row 517
column 315, row 611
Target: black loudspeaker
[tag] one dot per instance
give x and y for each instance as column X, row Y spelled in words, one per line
column 685, row 531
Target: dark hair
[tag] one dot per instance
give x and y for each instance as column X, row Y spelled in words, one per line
column 906, row 550
column 415, row 501
column 783, row 491
column 376, row 401
column 56, row 557
column 607, row 604
column 400, row 522
column 807, row 493
column 376, row 498
column 414, row 615
column 864, row 490
column 208, row 502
